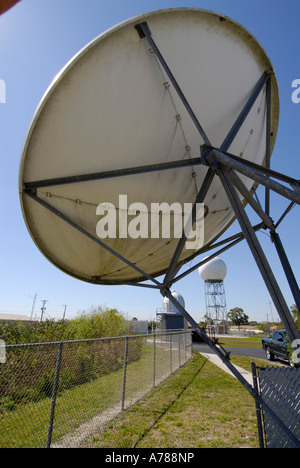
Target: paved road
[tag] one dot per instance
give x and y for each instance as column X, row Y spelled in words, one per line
column 248, row 352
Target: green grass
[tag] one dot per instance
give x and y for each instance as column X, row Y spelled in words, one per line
column 245, row 362
column 27, row 425
column 200, row 406
column 232, row 342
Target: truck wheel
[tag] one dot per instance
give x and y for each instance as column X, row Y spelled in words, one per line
column 270, row 356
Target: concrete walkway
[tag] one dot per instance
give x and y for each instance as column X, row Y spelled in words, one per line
column 209, row 354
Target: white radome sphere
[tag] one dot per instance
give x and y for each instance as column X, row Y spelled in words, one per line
column 169, row 307
column 215, row 269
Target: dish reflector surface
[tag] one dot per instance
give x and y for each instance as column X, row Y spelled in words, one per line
column 112, row 107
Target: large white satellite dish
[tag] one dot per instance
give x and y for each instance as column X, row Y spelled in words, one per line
column 113, row 110
column 174, row 106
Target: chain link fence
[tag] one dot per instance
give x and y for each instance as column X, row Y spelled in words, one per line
column 279, row 387
column 58, row 394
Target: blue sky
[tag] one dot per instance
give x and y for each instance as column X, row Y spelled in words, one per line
column 37, row 38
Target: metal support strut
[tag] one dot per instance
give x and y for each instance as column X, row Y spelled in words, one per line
column 144, row 31
column 259, row 256
column 226, row 166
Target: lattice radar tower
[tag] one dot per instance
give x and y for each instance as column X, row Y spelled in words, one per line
column 213, row 273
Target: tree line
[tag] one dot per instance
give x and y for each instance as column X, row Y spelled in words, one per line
column 238, row 316
column 97, row 322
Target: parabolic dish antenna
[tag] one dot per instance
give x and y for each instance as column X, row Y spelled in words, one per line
column 114, row 124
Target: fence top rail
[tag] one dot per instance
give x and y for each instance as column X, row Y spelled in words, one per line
column 90, row 340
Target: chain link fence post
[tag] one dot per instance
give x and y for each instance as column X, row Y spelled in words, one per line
column 258, row 408
column 154, row 338
column 179, row 350
column 124, row 373
column 170, row 338
column 54, row 394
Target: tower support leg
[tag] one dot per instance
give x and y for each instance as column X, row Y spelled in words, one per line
column 259, row 256
column 287, row 268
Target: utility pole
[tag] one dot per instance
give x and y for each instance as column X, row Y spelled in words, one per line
column 65, row 308
column 33, row 304
column 271, row 311
column 43, row 309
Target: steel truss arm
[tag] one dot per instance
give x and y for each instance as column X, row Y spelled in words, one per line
column 244, row 113
column 124, row 283
column 226, row 167
column 111, row 174
column 259, row 256
column 286, row 267
column 231, row 242
column 228, row 162
column 294, row 183
column 144, row 32
column 289, row 208
column 268, row 139
column 180, row 246
column 90, row 236
column 248, row 196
